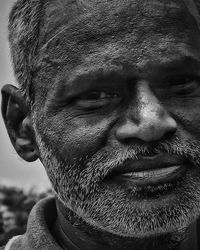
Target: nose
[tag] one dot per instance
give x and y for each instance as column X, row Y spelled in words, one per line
column 147, row 119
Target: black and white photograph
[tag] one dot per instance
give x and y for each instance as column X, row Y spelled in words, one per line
column 100, row 125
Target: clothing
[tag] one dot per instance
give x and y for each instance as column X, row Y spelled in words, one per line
column 39, row 236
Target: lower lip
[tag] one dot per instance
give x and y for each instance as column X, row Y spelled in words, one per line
column 153, row 176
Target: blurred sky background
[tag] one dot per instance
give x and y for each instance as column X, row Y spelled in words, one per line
column 13, row 170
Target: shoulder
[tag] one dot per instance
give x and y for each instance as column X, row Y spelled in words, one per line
column 12, row 244
column 38, row 233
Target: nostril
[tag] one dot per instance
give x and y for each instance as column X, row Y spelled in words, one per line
column 168, row 135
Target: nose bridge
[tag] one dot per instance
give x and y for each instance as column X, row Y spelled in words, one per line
column 146, row 119
column 149, row 109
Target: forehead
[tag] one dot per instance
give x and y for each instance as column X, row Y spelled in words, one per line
column 84, row 14
column 87, row 20
column 86, row 35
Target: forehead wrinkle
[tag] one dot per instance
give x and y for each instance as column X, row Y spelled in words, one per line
column 97, row 19
column 48, row 42
column 81, row 41
column 140, row 53
column 74, row 45
column 58, row 31
column 164, row 54
column 115, row 57
column 59, row 14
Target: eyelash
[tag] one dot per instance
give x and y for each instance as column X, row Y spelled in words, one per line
column 184, row 85
column 186, row 78
column 88, row 101
column 180, row 86
column 106, row 95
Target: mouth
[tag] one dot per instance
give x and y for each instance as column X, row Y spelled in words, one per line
column 150, row 170
column 154, row 176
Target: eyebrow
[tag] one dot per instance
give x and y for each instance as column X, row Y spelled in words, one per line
column 86, row 76
column 71, row 86
column 190, row 62
column 185, row 63
column 95, row 74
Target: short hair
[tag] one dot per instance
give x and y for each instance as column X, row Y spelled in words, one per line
column 24, row 31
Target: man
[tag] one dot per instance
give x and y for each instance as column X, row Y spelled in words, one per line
column 109, row 101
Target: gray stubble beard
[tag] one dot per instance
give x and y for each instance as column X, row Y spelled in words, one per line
column 109, row 210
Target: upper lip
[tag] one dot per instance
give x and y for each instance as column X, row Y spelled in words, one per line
column 145, row 163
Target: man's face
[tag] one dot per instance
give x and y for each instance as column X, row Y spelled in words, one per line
column 117, row 113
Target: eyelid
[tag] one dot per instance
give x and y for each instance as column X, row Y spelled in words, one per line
column 188, row 78
column 108, row 93
column 98, row 103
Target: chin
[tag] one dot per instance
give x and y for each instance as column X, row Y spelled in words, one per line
column 139, row 212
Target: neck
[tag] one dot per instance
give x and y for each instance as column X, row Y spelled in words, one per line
column 74, row 233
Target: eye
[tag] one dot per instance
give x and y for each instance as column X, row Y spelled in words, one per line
column 96, row 99
column 96, row 96
column 184, row 85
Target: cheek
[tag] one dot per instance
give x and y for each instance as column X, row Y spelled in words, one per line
column 76, row 137
column 187, row 114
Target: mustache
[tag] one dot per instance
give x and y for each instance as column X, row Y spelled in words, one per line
column 99, row 166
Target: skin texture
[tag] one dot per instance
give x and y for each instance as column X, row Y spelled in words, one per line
column 115, row 82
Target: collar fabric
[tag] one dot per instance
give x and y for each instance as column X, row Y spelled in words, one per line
column 39, row 236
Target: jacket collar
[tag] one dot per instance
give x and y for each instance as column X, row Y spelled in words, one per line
column 38, row 235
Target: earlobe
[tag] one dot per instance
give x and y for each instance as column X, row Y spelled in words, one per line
column 26, row 149
column 18, row 123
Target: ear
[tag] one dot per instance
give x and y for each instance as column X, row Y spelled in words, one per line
column 18, row 123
